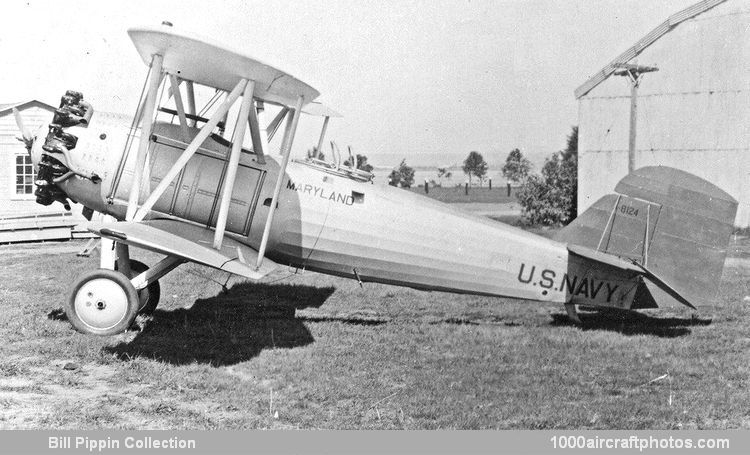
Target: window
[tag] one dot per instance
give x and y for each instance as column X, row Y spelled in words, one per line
column 24, row 175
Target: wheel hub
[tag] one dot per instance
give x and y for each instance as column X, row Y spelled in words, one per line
column 101, row 303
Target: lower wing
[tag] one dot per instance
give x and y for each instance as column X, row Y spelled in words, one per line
column 187, row 241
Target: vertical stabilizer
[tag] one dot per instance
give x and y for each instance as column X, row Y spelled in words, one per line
column 671, row 222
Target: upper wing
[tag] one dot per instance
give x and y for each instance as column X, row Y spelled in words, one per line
column 319, row 110
column 187, row 241
column 205, row 62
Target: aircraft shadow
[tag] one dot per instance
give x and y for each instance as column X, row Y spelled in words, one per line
column 631, row 323
column 228, row 328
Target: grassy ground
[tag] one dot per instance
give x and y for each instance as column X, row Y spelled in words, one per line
column 497, row 195
column 311, row 351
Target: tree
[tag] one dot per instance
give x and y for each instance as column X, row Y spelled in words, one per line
column 517, row 167
column 313, row 153
column 552, row 197
column 474, row 164
column 402, row 176
column 362, row 163
column 443, row 172
column 570, row 163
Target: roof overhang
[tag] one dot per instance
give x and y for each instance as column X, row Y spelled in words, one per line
column 6, row 109
column 661, row 30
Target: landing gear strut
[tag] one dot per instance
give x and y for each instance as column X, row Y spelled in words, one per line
column 148, row 296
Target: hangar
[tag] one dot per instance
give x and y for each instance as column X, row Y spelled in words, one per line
column 690, row 108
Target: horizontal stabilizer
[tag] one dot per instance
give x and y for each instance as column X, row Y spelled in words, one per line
column 628, row 266
column 604, row 258
column 187, row 241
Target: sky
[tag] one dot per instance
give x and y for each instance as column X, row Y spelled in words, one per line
column 428, row 81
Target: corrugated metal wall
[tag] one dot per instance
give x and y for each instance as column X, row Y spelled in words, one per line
column 694, row 114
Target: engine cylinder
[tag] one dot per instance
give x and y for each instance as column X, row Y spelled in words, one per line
column 53, row 164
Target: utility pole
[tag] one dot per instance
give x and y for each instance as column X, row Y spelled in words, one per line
column 634, row 74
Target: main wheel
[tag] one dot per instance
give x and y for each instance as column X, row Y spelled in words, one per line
column 148, row 296
column 102, row 302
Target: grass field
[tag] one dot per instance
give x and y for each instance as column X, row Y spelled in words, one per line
column 311, row 351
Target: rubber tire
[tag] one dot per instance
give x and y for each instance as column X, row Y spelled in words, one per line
column 119, row 279
column 148, row 296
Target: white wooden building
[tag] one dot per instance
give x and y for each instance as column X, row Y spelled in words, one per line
column 692, row 114
column 21, row 218
column 16, row 175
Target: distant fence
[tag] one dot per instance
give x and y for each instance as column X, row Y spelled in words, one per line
column 40, row 227
column 450, row 194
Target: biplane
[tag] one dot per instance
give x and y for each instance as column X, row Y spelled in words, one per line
column 205, row 186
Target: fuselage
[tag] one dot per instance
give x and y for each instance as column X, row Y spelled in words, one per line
column 331, row 223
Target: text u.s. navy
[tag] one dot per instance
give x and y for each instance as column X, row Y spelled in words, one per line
column 127, row 442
